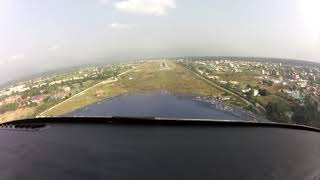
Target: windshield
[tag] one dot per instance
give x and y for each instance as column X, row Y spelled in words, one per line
column 243, row 60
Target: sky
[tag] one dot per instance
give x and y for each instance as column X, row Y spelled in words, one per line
column 39, row 35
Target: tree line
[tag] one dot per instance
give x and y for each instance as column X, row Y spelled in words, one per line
column 307, row 114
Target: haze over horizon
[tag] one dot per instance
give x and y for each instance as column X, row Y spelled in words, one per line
column 42, row 35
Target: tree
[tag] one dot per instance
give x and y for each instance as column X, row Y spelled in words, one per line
column 267, row 82
column 276, row 112
column 226, row 94
column 9, row 107
column 294, row 87
column 263, row 92
column 250, row 94
column 228, row 85
column 307, row 114
column 250, row 108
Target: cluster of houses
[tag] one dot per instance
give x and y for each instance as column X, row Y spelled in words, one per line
column 56, row 86
column 284, row 75
column 23, row 101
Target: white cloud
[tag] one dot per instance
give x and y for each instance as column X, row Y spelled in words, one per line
column 121, row 26
column 104, row 2
column 17, row 56
column 54, row 47
column 146, row 7
column 12, row 58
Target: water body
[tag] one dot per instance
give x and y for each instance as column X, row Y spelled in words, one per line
column 162, row 105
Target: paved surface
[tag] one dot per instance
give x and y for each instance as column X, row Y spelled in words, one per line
column 164, row 66
column 155, row 105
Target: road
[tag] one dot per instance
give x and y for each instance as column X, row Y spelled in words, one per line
column 82, row 92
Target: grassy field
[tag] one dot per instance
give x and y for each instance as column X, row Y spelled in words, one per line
column 244, row 78
column 264, row 100
column 87, row 98
column 148, row 77
column 17, row 114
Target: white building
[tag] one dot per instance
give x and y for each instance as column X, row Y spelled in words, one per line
column 223, row 82
column 255, row 92
column 67, row 89
column 19, row 88
column 302, row 84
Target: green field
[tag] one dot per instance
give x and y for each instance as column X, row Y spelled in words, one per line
column 148, row 77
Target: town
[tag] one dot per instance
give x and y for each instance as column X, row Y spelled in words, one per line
column 263, row 83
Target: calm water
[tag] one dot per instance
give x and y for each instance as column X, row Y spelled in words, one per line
column 156, row 105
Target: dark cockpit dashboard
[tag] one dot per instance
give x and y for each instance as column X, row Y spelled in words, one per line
column 151, row 148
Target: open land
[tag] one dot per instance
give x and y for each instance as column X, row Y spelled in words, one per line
column 147, row 77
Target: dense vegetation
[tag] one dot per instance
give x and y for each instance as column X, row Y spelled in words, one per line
column 277, row 112
column 307, row 114
column 8, row 107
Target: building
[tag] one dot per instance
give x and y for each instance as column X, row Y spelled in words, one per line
column 256, row 92
column 294, row 94
column 302, row 84
column 246, row 90
column 67, row 89
column 19, row 88
column 54, row 82
column 5, row 93
column 38, row 99
column 60, row 95
column 12, row 99
column 224, row 98
column 200, row 71
column 296, row 77
column 276, row 81
column 223, row 82
column 100, row 93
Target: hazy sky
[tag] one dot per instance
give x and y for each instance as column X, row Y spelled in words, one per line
column 36, row 35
